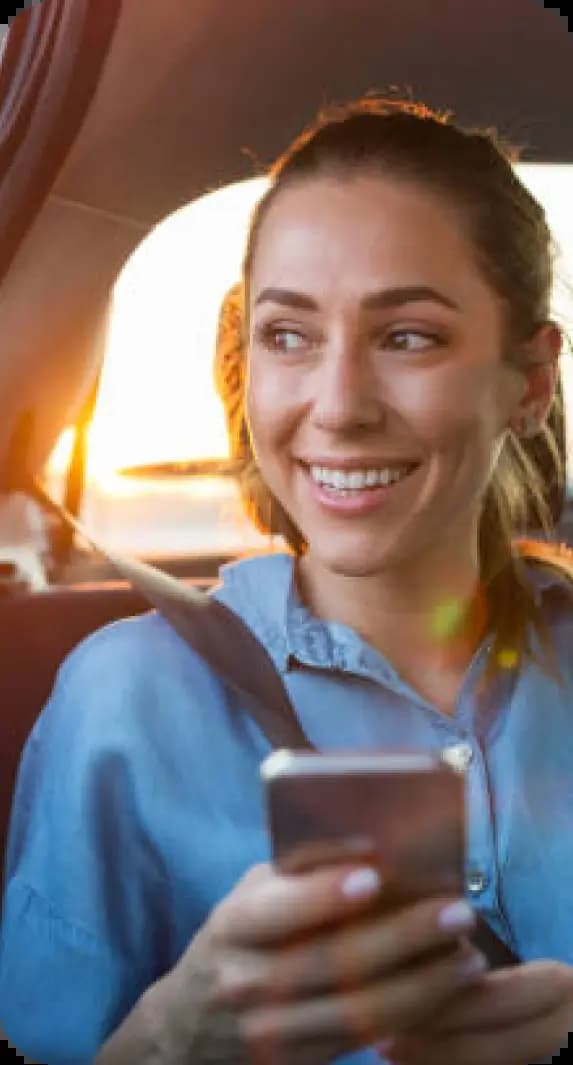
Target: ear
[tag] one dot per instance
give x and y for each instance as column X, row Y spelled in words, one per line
column 539, row 365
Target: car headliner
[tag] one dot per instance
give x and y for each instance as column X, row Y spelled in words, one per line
column 194, row 95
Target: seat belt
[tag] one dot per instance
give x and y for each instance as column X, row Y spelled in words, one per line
column 211, row 629
column 226, row 643
column 242, row 662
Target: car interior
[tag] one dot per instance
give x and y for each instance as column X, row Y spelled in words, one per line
column 115, row 115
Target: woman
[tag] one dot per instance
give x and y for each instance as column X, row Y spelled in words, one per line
column 398, row 346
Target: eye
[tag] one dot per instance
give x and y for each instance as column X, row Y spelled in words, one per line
column 281, row 338
column 412, row 340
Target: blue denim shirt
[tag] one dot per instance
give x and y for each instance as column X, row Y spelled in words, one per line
column 139, row 806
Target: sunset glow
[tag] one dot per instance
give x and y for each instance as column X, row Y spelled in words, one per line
column 157, row 402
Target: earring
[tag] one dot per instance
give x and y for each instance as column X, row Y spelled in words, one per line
column 527, row 426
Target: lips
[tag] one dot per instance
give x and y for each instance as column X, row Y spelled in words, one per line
column 348, row 491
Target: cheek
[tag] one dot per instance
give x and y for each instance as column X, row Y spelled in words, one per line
column 267, row 413
column 447, row 409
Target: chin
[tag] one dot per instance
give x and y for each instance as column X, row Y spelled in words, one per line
column 353, row 567
column 358, row 560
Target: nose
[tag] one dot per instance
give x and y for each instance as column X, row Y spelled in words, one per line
column 347, row 391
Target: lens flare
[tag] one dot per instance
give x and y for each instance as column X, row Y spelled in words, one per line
column 448, row 618
column 507, row 658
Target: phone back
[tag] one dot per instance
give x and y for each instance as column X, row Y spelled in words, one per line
column 410, row 822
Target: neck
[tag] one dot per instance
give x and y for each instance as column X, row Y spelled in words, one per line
column 420, row 616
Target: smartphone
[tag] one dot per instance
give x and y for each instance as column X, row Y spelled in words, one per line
column 402, row 811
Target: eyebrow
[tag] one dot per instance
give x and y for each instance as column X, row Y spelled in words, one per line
column 384, row 299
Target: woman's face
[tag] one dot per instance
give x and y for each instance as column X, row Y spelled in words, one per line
column 377, row 397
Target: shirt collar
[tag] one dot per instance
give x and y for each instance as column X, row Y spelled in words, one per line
column 263, row 591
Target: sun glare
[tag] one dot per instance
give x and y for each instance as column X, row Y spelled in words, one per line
column 156, row 401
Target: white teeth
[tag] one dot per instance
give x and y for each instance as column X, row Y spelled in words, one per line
column 357, row 480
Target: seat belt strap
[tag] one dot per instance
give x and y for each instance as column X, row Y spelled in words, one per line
column 228, row 646
column 215, row 633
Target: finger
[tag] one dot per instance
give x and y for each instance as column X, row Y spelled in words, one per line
column 267, row 907
column 509, row 996
column 536, row 1040
column 346, row 955
column 363, row 1015
column 364, row 949
column 376, row 946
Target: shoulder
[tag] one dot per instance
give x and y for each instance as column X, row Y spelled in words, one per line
column 553, row 558
column 135, row 719
column 137, row 681
column 146, row 655
column 127, row 687
column 136, row 691
column 131, row 654
column 131, row 650
column 550, row 571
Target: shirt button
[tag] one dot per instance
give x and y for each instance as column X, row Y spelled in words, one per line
column 458, row 756
column 477, row 882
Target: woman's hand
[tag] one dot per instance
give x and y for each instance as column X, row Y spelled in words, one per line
column 301, row 969
column 516, row 1016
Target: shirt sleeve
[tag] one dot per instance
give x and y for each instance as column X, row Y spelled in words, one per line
column 82, row 880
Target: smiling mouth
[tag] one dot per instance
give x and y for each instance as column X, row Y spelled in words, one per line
column 353, row 481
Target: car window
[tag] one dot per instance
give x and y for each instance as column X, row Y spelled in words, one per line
column 553, row 187
column 157, row 403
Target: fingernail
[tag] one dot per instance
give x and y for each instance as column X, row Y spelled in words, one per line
column 471, row 967
column 361, row 883
column 457, row 916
